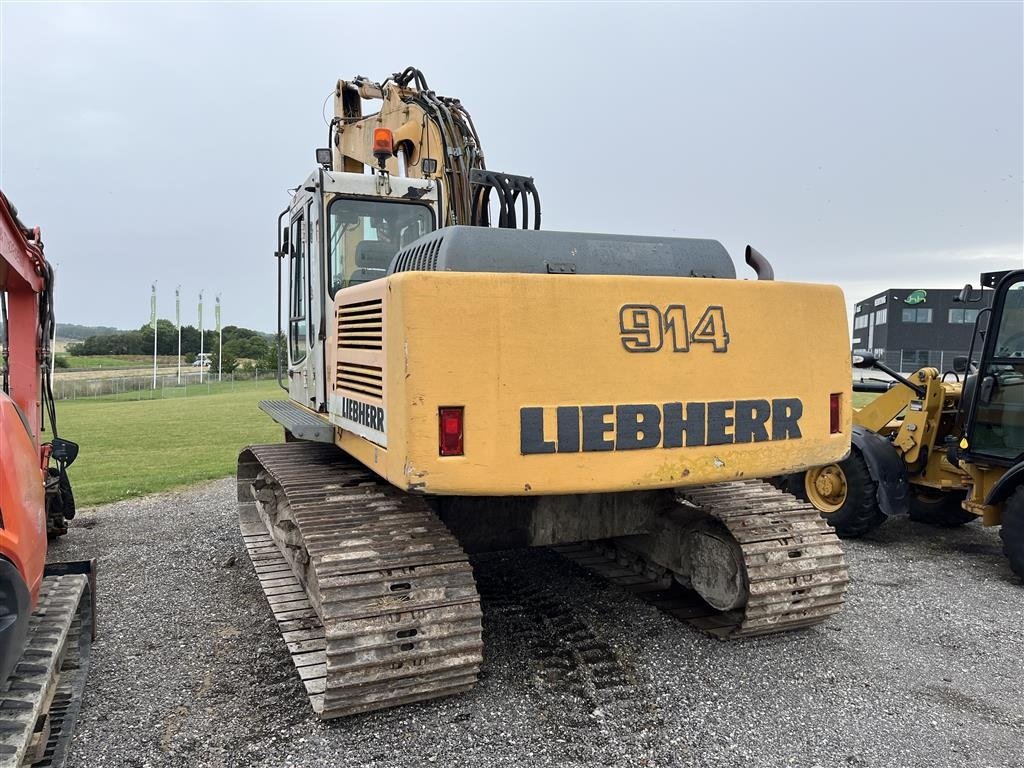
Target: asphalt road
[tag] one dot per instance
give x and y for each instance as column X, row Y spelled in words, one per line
column 925, row 667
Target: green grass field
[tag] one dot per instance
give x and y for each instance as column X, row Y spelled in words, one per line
column 100, row 362
column 134, row 448
column 860, row 399
column 209, row 387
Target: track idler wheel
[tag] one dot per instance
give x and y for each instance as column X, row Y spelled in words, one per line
column 717, row 572
column 759, row 560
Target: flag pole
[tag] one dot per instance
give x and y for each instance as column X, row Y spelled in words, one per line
column 200, row 337
column 220, row 340
column 152, row 320
column 177, row 320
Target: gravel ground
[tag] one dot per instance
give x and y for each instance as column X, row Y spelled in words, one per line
column 924, row 667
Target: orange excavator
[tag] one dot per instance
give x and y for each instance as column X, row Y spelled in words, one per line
column 46, row 611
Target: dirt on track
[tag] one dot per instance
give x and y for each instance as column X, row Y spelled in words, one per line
column 922, row 669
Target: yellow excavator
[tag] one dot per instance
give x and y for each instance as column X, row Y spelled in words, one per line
column 943, row 448
column 459, row 381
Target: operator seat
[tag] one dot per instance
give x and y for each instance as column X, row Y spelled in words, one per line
column 373, row 258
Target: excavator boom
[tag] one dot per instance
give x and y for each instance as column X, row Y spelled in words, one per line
column 428, row 137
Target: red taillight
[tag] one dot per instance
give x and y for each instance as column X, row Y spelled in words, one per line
column 833, row 412
column 450, row 424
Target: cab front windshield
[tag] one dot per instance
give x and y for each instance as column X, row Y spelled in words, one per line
column 999, row 418
column 366, row 234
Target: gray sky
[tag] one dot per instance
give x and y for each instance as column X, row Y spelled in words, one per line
column 869, row 145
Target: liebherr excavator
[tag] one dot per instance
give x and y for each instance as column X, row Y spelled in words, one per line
column 457, row 387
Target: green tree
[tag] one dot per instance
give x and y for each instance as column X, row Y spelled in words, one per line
column 228, row 365
column 276, row 354
column 167, row 337
column 189, row 341
column 239, row 343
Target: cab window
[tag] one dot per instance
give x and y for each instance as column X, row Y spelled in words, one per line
column 365, row 235
column 297, row 305
column 999, row 414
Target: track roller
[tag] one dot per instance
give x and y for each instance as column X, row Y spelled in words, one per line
column 760, row 560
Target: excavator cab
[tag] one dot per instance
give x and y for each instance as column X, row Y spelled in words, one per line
column 341, row 230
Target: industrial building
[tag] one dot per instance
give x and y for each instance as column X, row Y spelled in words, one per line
column 909, row 328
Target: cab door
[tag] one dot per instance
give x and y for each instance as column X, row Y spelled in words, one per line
column 306, row 306
column 319, row 306
column 996, row 427
column 298, row 307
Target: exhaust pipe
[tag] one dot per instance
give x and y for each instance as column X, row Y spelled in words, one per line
column 759, row 264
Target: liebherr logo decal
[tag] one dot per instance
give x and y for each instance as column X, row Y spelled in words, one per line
column 646, row 328
column 367, row 420
column 371, row 416
column 648, row 425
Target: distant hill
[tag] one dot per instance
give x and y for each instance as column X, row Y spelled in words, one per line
column 82, row 332
column 72, row 332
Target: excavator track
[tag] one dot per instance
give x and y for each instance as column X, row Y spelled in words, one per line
column 373, row 596
column 40, row 699
column 794, row 571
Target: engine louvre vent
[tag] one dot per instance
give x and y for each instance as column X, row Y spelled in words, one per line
column 361, row 325
column 420, row 256
column 360, row 379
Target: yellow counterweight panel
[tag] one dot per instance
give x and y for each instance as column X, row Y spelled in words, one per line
column 586, row 383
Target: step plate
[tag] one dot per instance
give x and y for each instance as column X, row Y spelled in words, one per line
column 301, row 422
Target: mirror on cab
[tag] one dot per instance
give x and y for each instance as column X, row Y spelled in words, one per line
column 965, row 294
column 285, row 243
column 863, row 360
column 960, row 364
column 985, row 389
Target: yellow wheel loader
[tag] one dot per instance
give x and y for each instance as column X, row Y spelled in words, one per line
column 940, row 449
column 459, row 382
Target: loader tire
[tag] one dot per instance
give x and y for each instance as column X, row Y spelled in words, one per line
column 845, row 494
column 941, row 508
column 1012, row 531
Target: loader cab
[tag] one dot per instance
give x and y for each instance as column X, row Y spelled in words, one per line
column 341, row 230
column 995, row 420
